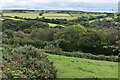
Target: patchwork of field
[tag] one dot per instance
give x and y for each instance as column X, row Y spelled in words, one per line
column 70, row 67
column 35, row 15
column 51, row 15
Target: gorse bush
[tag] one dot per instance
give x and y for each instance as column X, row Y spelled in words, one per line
column 8, row 33
column 27, row 62
column 19, row 34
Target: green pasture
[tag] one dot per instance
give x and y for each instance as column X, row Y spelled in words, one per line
column 55, row 15
column 68, row 18
column 53, row 25
column 85, row 14
column 107, row 18
column 70, row 67
column 24, row 15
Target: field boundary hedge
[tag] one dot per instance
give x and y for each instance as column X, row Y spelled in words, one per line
column 85, row 55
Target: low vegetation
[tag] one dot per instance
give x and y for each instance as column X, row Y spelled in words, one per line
column 26, row 62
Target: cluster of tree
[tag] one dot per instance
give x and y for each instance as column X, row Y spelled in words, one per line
column 85, row 18
column 18, row 11
column 77, row 38
column 54, row 21
column 103, row 23
column 43, row 19
column 17, row 25
column 77, row 12
column 44, row 34
column 72, row 38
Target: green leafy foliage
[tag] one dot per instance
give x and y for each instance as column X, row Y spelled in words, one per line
column 26, row 62
column 44, row 34
column 70, row 36
column 17, row 25
column 89, row 40
column 19, row 41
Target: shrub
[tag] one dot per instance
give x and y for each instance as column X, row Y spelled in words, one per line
column 19, row 41
column 27, row 31
column 19, row 34
column 66, row 45
column 27, row 62
column 44, row 34
column 9, row 33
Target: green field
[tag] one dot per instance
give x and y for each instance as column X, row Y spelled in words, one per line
column 107, row 18
column 53, row 25
column 68, row 18
column 79, row 15
column 24, row 15
column 55, row 15
column 70, row 67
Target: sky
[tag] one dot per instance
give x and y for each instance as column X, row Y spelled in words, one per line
column 81, row 5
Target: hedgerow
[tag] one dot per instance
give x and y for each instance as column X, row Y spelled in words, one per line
column 85, row 55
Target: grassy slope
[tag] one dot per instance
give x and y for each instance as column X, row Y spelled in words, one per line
column 70, row 67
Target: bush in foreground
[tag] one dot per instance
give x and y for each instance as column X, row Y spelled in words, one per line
column 27, row 62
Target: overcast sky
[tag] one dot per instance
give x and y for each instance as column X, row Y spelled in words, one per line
column 84, row 5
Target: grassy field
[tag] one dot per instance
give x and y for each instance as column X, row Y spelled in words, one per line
column 24, row 15
column 68, row 18
column 53, row 25
column 55, row 15
column 107, row 18
column 79, row 15
column 70, row 67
